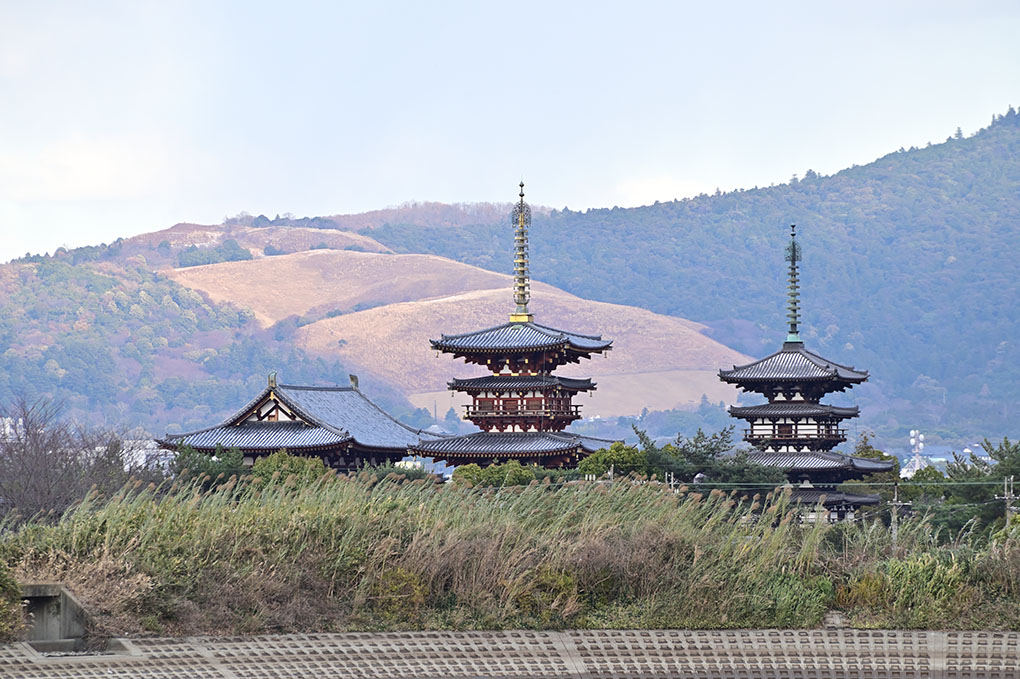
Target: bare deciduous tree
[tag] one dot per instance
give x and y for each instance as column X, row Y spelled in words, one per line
column 47, row 463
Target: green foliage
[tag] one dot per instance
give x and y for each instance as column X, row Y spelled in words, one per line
column 619, row 458
column 931, row 230
column 208, row 469
column 10, row 605
column 227, row 251
column 363, row 553
column 120, row 344
column 509, row 473
column 710, row 455
column 283, row 467
column 1006, row 455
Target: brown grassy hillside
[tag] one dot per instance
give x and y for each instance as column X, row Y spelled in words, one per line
column 659, row 362
column 277, row 287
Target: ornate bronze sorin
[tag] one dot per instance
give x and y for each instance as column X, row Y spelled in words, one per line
column 793, row 296
column 522, row 274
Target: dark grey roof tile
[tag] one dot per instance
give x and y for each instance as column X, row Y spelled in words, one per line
column 793, row 409
column 516, row 336
column 332, row 416
column 259, row 436
column 511, row 443
column 793, row 363
column 819, row 460
column 499, row 382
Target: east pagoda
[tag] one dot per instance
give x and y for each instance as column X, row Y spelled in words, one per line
column 795, row 431
column 521, row 407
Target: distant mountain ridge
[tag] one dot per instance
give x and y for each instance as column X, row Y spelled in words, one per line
column 909, row 271
column 376, row 312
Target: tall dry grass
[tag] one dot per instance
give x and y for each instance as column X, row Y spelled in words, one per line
column 354, row 553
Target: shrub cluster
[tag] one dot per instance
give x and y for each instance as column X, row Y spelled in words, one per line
column 362, row 553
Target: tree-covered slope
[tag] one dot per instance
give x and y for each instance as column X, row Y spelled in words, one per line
column 909, row 271
column 115, row 342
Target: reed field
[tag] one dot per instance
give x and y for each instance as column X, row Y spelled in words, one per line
column 359, row 553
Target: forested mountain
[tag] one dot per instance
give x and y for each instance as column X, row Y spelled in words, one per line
column 115, row 342
column 910, row 271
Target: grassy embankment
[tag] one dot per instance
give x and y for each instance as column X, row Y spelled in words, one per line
column 352, row 554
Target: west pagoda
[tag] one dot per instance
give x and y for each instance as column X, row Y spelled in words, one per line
column 521, row 407
column 795, row 431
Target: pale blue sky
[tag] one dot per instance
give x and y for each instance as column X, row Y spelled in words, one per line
column 121, row 118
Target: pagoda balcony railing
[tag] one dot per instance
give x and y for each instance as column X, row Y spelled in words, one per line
column 570, row 411
column 820, row 434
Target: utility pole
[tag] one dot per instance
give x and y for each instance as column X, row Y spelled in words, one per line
column 895, row 521
column 1008, row 497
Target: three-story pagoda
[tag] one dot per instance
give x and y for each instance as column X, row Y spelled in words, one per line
column 521, row 407
column 794, row 430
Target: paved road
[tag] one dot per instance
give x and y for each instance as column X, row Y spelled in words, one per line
column 738, row 654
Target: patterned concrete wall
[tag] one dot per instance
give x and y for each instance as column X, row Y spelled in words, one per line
column 737, row 654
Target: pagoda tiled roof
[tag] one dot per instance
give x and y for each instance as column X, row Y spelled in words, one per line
column 505, row 382
column 510, row 444
column 819, row 461
column 514, row 336
column 793, row 409
column 329, row 416
column 793, row 363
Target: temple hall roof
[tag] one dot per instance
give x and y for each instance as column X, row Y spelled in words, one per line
column 514, row 444
column 268, row 436
column 831, row 498
column 510, row 382
column 819, row 461
column 793, row 409
column 523, row 336
column 793, row 363
column 328, row 417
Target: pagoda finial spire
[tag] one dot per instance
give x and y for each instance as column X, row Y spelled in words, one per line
column 793, row 290
column 522, row 274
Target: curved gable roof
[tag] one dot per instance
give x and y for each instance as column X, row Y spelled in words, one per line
column 793, row 363
column 329, row 416
column 347, row 409
column 511, row 443
column 529, row 336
